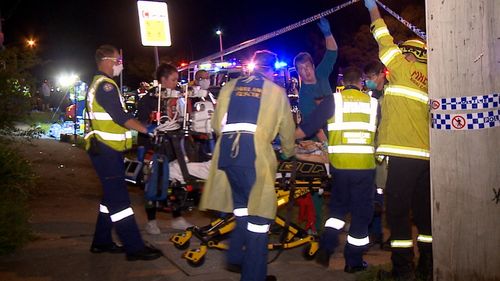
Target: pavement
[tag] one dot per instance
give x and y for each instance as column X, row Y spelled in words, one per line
column 63, row 216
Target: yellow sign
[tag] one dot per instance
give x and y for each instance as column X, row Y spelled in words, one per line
column 153, row 20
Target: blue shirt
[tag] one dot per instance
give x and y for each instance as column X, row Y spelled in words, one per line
column 244, row 107
column 310, row 92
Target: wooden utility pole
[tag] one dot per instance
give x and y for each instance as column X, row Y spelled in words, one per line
column 464, row 60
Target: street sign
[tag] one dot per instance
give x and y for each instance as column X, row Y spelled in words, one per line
column 153, row 20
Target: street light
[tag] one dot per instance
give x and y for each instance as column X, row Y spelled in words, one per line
column 31, row 43
column 219, row 32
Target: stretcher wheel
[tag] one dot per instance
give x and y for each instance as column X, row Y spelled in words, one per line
column 183, row 246
column 306, row 252
column 197, row 263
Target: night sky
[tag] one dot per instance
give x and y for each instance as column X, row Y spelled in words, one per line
column 68, row 32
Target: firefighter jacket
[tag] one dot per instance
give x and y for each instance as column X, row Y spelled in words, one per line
column 351, row 131
column 101, row 124
column 274, row 118
column 404, row 126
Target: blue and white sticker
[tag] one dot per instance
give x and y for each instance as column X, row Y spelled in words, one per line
column 466, row 121
column 464, row 103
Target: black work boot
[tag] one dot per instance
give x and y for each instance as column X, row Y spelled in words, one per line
column 323, row 257
column 383, row 275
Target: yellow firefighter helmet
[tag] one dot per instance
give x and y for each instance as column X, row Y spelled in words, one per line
column 415, row 47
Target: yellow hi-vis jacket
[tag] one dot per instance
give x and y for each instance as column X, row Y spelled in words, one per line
column 275, row 117
column 351, row 131
column 404, row 126
column 101, row 124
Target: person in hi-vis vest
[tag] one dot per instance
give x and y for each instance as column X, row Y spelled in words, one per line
column 352, row 122
column 108, row 136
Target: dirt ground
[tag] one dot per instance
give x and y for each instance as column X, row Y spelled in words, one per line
column 64, row 210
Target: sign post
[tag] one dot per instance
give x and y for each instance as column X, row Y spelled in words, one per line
column 153, row 21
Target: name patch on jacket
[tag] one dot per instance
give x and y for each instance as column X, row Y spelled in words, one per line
column 242, row 91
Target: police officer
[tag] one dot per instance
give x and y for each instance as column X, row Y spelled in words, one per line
column 351, row 130
column 404, row 137
column 250, row 112
column 107, row 138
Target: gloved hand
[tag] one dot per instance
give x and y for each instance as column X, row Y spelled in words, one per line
column 151, row 129
column 324, row 26
column 370, row 4
column 283, row 157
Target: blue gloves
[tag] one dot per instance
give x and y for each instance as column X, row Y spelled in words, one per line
column 151, row 129
column 324, row 26
column 370, row 4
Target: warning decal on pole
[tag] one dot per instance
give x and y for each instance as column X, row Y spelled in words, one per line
column 153, row 20
column 466, row 121
column 458, row 122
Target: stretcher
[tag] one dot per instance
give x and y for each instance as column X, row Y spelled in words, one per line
column 294, row 179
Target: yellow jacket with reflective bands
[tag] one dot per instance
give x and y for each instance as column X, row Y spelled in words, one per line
column 274, row 118
column 351, row 131
column 101, row 124
column 404, row 126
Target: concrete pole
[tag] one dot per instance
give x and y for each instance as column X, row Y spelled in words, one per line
column 464, row 60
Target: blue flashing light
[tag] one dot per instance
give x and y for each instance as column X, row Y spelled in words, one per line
column 280, row 64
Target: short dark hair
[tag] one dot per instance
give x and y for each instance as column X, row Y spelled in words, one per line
column 264, row 58
column 302, row 57
column 104, row 51
column 374, row 66
column 352, row 75
column 165, row 70
column 198, row 73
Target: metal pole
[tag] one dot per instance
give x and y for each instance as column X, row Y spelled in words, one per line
column 121, row 73
column 75, row 120
column 220, row 45
column 157, row 57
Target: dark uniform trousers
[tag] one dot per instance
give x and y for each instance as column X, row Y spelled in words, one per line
column 352, row 191
column 110, row 168
column 246, row 248
column 408, row 189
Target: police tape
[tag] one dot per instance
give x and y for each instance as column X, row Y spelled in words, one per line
column 269, row 35
column 464, row 103
column 466, row 121
column 420, row 33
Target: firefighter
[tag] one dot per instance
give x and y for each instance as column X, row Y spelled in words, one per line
column 105, row 142
column 250, row 112
column 315, row 85
column 404, row 137
column 352, row 117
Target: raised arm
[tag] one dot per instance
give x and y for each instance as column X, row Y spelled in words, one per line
column 330, row 42
column 371, row 5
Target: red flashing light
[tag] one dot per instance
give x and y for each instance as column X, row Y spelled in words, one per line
column 183, row 64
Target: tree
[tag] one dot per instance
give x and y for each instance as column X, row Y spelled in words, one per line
column 17, row 85
column 362, row 47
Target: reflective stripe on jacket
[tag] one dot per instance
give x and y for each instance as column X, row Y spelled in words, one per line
column 101, row 124
column 352, row 131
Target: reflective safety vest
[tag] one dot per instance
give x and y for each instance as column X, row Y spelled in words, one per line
column 352, row 131
column 101, row 124
column 404, row 127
